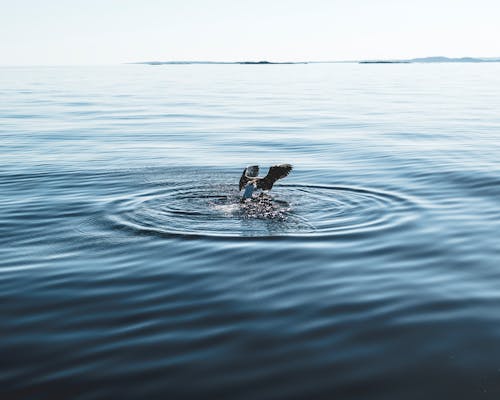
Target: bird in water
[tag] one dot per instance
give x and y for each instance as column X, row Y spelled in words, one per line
column 250, row 180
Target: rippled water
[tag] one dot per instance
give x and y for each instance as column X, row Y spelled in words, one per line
column 129, row 267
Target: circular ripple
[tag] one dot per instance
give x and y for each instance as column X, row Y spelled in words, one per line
column 291, row 210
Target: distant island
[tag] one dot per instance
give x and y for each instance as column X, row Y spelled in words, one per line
column 385, row 62
column 438, row 59
column 217, row 62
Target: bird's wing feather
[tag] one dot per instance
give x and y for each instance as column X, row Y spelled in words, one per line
column 275, row 172
column 243, row 180
column 248, row 173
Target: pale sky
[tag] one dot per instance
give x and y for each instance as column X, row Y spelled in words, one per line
column 59, row 32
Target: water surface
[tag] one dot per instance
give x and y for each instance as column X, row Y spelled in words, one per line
column 129, row 268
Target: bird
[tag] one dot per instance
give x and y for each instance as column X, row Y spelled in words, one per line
column 250, row 181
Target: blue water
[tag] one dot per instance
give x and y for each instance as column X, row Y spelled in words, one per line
column 129, row 268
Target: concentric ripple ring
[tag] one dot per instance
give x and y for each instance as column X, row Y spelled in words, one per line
column 296, row 210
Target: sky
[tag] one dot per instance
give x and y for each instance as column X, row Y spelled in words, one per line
column 97, row 32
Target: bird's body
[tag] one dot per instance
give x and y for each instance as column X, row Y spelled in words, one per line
column 250, row 181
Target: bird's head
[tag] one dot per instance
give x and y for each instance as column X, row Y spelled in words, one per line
column 252, row 171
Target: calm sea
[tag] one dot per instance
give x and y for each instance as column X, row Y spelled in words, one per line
column 129, row 268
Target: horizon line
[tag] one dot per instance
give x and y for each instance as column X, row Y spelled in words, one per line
column 252, row 62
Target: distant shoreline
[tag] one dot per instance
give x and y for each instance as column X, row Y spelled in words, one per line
column 384, row 62
column 219, row 62
column 433, row 60
column 438, row 59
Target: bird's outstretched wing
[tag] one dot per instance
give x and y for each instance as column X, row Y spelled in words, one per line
column 248, row 173
column 275, row 172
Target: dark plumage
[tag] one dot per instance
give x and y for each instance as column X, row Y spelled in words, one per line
column 249, row 176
